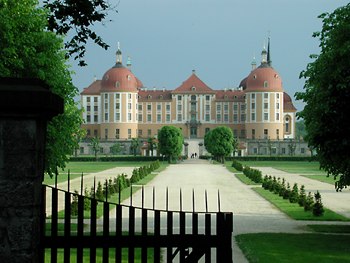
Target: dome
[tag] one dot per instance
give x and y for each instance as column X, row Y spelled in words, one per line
column 264, row 78
column 119, row 79
column 243, row 83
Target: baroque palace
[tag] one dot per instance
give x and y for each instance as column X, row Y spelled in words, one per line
column 259, row 112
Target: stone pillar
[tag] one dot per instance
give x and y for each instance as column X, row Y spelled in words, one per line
column 25, row 107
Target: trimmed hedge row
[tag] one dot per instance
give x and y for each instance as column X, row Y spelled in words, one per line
column 273, row 158
column 237, row 165
column 253, row 174
column 114, row 158
column 142, row 172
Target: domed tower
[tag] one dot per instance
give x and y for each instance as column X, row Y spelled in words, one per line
column 264, row 101
column 119, row 90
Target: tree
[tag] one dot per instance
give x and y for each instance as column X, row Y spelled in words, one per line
column 300, row 129
column 95, row 145
column 327, row 94
column 152, row 144
column 78, row 16
column 170, row 141
column 219, row 142
column 318, row 209
column 135, row 143
column 115, row 148
column 28, row 50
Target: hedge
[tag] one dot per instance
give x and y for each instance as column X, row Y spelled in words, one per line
column 273, row 158
column 115, row 158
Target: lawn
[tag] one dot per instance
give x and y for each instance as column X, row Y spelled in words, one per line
column 280, row 247
column 294, row 210
column 77, row 168
column 340, row 229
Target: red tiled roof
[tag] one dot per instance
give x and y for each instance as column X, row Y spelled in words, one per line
column 193, row 85
column 287, row 103
column 230, row 95
column 93, row 89
column 154, row 95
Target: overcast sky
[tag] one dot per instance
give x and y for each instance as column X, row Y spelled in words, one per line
column 166, row 39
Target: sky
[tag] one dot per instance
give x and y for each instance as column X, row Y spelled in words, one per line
column 167, row 39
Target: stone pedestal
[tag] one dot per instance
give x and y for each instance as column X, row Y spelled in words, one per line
column 25, row 107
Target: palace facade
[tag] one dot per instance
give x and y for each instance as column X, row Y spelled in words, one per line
column 260, row 113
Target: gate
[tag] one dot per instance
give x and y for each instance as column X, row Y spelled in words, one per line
column 130, row 234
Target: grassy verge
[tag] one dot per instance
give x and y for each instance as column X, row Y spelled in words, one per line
column 244, row 179
column 321, row 177
column 340, row 229
column 295, row 211
column 272, row 247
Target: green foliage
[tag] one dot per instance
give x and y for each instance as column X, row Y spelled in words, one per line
column 135, row 143
column 115, row 148
column 99, row 192
column 294, row 194
column 318, row 209
column 87, row 200
column 237, row 165
column 74, row 204
column 95, row 145
column 309, row 202
column 170, row 142
column 302, row 196
column 326, row 94
column 219, row 142
column 28, row 50
column 253, row 174
column 300, row 130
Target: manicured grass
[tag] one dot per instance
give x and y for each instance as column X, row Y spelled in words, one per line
column 295, row 248
column 290, row 167
column 244, row 179
column 340, row 229
column 295, row 211
column 77, row 168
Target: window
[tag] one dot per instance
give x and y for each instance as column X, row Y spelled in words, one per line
column 88, row 108
column 140, row 107
column 95, row 118
column 207, row 117
column 159, row 107
column 117, row 116
column 253, row 96
column 149, row 106
column 179, row 107
column 242, row 107
column 277, row 106
column 129, row 116
column 168, row 107
column 235, row 133
column 179, row 97
column 193, row 97
column 235, row 117
column 302, row 150
column 129, row 96
column 218, row 117
column 149, row 117
column 253, row 133
column 88, row 132
column 117, row 106
column 149, row 132
column 277, row 116
column 88, row 118
column 167, row 117
column 117, row 96
column 106, row 96
column 266, row 105
column 225, row 117
column 95, row 133
column 140, row 133
column 277, row 95
column 140, row 117
column 207, row 97
column 283, row 150
column 106, row 106
column 129, row 106
column 266, row 95
column 193, row 88
column 117, row 84
column 266, row 133
column 253, row 105
column 278, row 134
column 235, row 107
column 266, row 84
column 95, row 108
column 287, row 125
column 179, row 117
column 129, row 133
column 117, row 133
column 218, row 107
column 225, row 107
column 95, row 99
column 159, row 117
column 266, row 116
column 242, row 133
column 106, row 116
column 242, row 117
column 106, row 134
column 253, row 116
column 87, row 99
column 207, row 107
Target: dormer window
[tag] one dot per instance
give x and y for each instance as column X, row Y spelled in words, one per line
column 161, row 97
column 149, row 97
column 225, row 97
column 254, row 77
column 266, row 84
column 193, row 88
column 128, row 77
column 117, row 84
column 106, row 77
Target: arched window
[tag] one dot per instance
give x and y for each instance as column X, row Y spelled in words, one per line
column 287, row 124
column 266, row 84
column 117, row 84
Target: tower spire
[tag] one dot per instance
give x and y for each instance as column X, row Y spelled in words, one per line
column 119, row 55
column 269, row 62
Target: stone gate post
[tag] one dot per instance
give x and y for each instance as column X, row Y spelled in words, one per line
column 25, row 107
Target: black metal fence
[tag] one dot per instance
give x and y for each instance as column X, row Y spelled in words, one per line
column 130, row 234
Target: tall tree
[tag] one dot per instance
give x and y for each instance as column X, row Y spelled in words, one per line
column 170, row 141
column 219, row 142
column 27, row 49
column 95, row 145
column 135, row 143
column 327, row 95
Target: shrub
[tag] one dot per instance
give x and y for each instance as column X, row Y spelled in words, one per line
column 309, row 202
column 318, row 209
column 237, row 165
column 294, row 194
column 253, row 174
column 99, row 192
column 74, row 205
column 283, row 188
column 302, row 196
column 287, row 191
column 87, row 200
